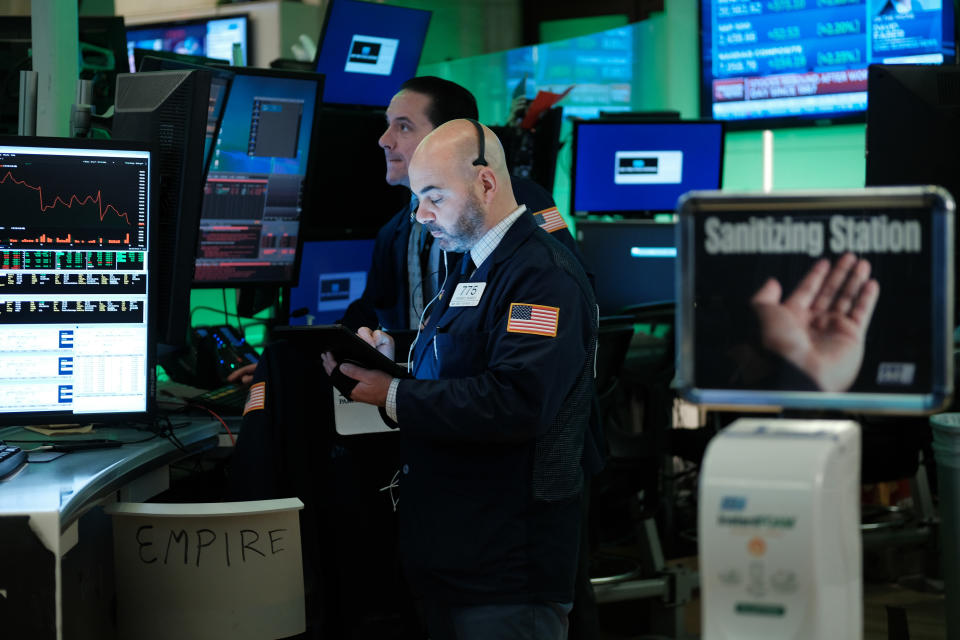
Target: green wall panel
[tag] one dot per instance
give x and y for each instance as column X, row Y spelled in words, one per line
column 829, row 157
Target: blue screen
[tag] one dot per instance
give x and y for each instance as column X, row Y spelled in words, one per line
column 796, row 58
column 643, row 166
column 369, row 50
column 212, row 38
column 253, row 196
column 332, row 275
column 633, row 262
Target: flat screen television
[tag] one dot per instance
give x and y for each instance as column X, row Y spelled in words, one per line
column 633, row 261
column 211, row 37
column 642, row 167
column 790, row 62
column 76, row 260
column 255, row 190
column 367, row 50
column 816, row 300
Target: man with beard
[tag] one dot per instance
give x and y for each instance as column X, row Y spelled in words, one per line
column 494, row 422
column 406, row 269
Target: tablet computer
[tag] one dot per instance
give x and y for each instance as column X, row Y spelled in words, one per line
column 344, row 344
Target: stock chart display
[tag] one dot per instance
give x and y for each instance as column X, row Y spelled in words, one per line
column 74, row 244
column 767, row 59
column 62, row 201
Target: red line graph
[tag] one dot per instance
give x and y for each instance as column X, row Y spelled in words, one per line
column 68, row 203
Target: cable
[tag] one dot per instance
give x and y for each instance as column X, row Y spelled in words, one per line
column 168, row 433
column 216, row 310
column 420, row 286
column 233, row 440
column 422, row 313
column 226, row 316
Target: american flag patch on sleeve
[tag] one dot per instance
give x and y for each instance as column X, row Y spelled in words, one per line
column 533, row 318
column 550, row 220
column 255, row 397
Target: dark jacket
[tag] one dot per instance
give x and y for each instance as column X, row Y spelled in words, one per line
column 493, row 430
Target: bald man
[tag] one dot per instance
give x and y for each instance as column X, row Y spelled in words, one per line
column 493, row 423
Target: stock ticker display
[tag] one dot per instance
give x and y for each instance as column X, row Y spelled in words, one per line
column 252, row 200
column 73, row 279
column 788, row 58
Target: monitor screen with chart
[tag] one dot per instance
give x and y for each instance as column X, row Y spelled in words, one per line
column 75, row 257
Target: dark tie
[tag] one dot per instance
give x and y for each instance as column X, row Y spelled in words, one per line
column 468, row 267
column 426, row 269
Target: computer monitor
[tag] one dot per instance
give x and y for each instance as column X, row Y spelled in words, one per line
column 333, row 273
column 76, row 326
column 140, row 54
column 642, row 167
column 220, row 81
column 913, row 124
column 211, row 37
column 102, row 56
column 818, row 300
column 633, row 261
column 169, row 109
column 357, row 166
column 367, row 50
column 789, row 63
column 254, row 193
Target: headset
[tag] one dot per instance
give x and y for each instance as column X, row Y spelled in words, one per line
column 481, row 160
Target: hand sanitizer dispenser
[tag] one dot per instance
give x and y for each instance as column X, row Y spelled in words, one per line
column 779, row 531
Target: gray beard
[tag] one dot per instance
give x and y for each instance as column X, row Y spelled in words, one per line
column 467, row 230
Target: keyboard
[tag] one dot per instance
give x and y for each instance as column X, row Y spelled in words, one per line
column 11, row 459
column 227, row 400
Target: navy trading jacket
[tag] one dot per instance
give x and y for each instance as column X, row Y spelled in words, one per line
column 385, row 299
column 493, row 427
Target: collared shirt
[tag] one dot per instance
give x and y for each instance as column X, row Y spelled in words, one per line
column 480, row 252
column 485, row 245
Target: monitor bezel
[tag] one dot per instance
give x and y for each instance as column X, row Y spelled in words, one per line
column 323, row 36
column 149, row 413
column 200, row 20
column 293, row 280
column 634, row 213
column 941, row 206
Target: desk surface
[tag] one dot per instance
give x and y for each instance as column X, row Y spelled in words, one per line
column 72, row 482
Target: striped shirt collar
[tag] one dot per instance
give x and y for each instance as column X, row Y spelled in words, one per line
column 491, row 239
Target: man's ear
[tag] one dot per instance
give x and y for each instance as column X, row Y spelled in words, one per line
column 488, row 184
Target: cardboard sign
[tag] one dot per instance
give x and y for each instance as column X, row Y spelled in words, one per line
column 217, row 570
